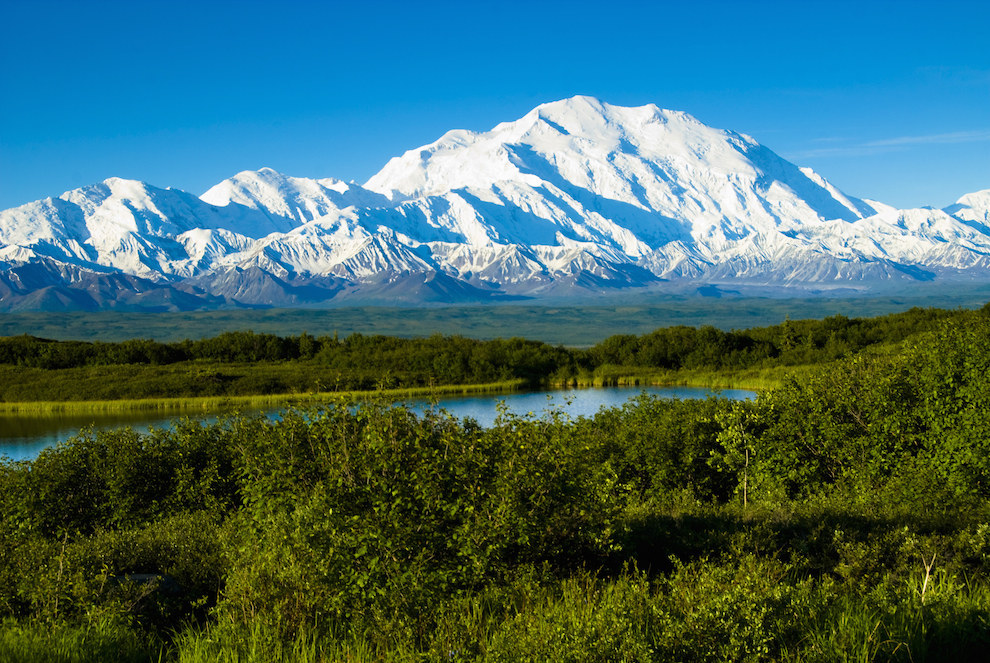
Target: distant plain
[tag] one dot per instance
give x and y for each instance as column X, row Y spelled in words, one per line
column 566, row 322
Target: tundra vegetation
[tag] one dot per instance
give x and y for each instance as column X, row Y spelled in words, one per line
column 245, row 364
column 842, row 515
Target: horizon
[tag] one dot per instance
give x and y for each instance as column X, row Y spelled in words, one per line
column 889, row 102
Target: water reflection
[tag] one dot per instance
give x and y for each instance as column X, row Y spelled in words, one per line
column 575, row 402
column 23, row 438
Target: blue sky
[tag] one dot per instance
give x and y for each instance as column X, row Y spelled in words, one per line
column 888, row 100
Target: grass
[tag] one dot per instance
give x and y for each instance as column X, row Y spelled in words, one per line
column 219, row 403
column 50, row 643
column 254, row 644
column 739, row 609
column 755, row 379
column 752, row 379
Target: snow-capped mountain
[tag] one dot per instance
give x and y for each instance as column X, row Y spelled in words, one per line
column 575, row 196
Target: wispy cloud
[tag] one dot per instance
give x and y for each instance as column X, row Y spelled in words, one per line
column 890, row 144
column 933, row 139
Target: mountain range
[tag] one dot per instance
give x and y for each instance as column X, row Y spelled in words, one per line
column 576, row 197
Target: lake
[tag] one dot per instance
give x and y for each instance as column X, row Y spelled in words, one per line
column 23, row 438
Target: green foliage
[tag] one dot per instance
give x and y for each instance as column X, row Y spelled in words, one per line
column 951, row 372
column 582, row 620
column 897, row 622
column 661, row 448
column 119, row 478
column 357, row 514
column 158, row 574
column 258, row 643
column 247, row 363
column 842, row 516
column 917, row 419
column 788, row 344
column 242, row 364
column 95, row 643
column 741, row 610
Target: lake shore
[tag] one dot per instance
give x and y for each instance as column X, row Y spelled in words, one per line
column 750, row 379
column 220, row 403
column 754, row 380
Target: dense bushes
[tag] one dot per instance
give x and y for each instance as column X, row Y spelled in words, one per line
column 789, row 343
column 845, row 515
column 919, row 419
column 231, row 365
column 120, row 478
column 359, row 516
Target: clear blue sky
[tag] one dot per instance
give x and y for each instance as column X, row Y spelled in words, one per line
column 889, row 100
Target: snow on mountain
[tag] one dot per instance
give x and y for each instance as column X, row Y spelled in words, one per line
column 576, row 195
column 606, row 163
column 973, row 209
column 288, row 201
column 128, row 226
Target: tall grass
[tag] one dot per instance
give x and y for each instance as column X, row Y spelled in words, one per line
column 97, row 643
column 756, row 379
column 253, row 644
column 739, row 608
column 706, row 612
column 221, row 403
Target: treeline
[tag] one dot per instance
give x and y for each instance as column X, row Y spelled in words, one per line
column 789, row 343
column 843, row 516
column 361, row 361
column 445, row 359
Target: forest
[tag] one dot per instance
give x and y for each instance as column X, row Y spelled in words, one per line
column 842, row 515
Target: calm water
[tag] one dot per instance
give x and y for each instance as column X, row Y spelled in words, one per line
column 24, row 437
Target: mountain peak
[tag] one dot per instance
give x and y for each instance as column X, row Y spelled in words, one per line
column 577, row 105
column 588, row 114
column 577, row 193
column 667, row 162
column 290, row 201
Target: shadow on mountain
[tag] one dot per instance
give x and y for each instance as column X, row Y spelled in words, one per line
column 650, row 227
column 46, row 285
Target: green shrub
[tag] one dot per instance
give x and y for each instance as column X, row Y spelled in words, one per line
column 741, row 609
column 352, row 514
column 583, row 620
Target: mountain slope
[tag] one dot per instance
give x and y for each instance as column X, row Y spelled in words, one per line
column 575, row 196
column 288, row 201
